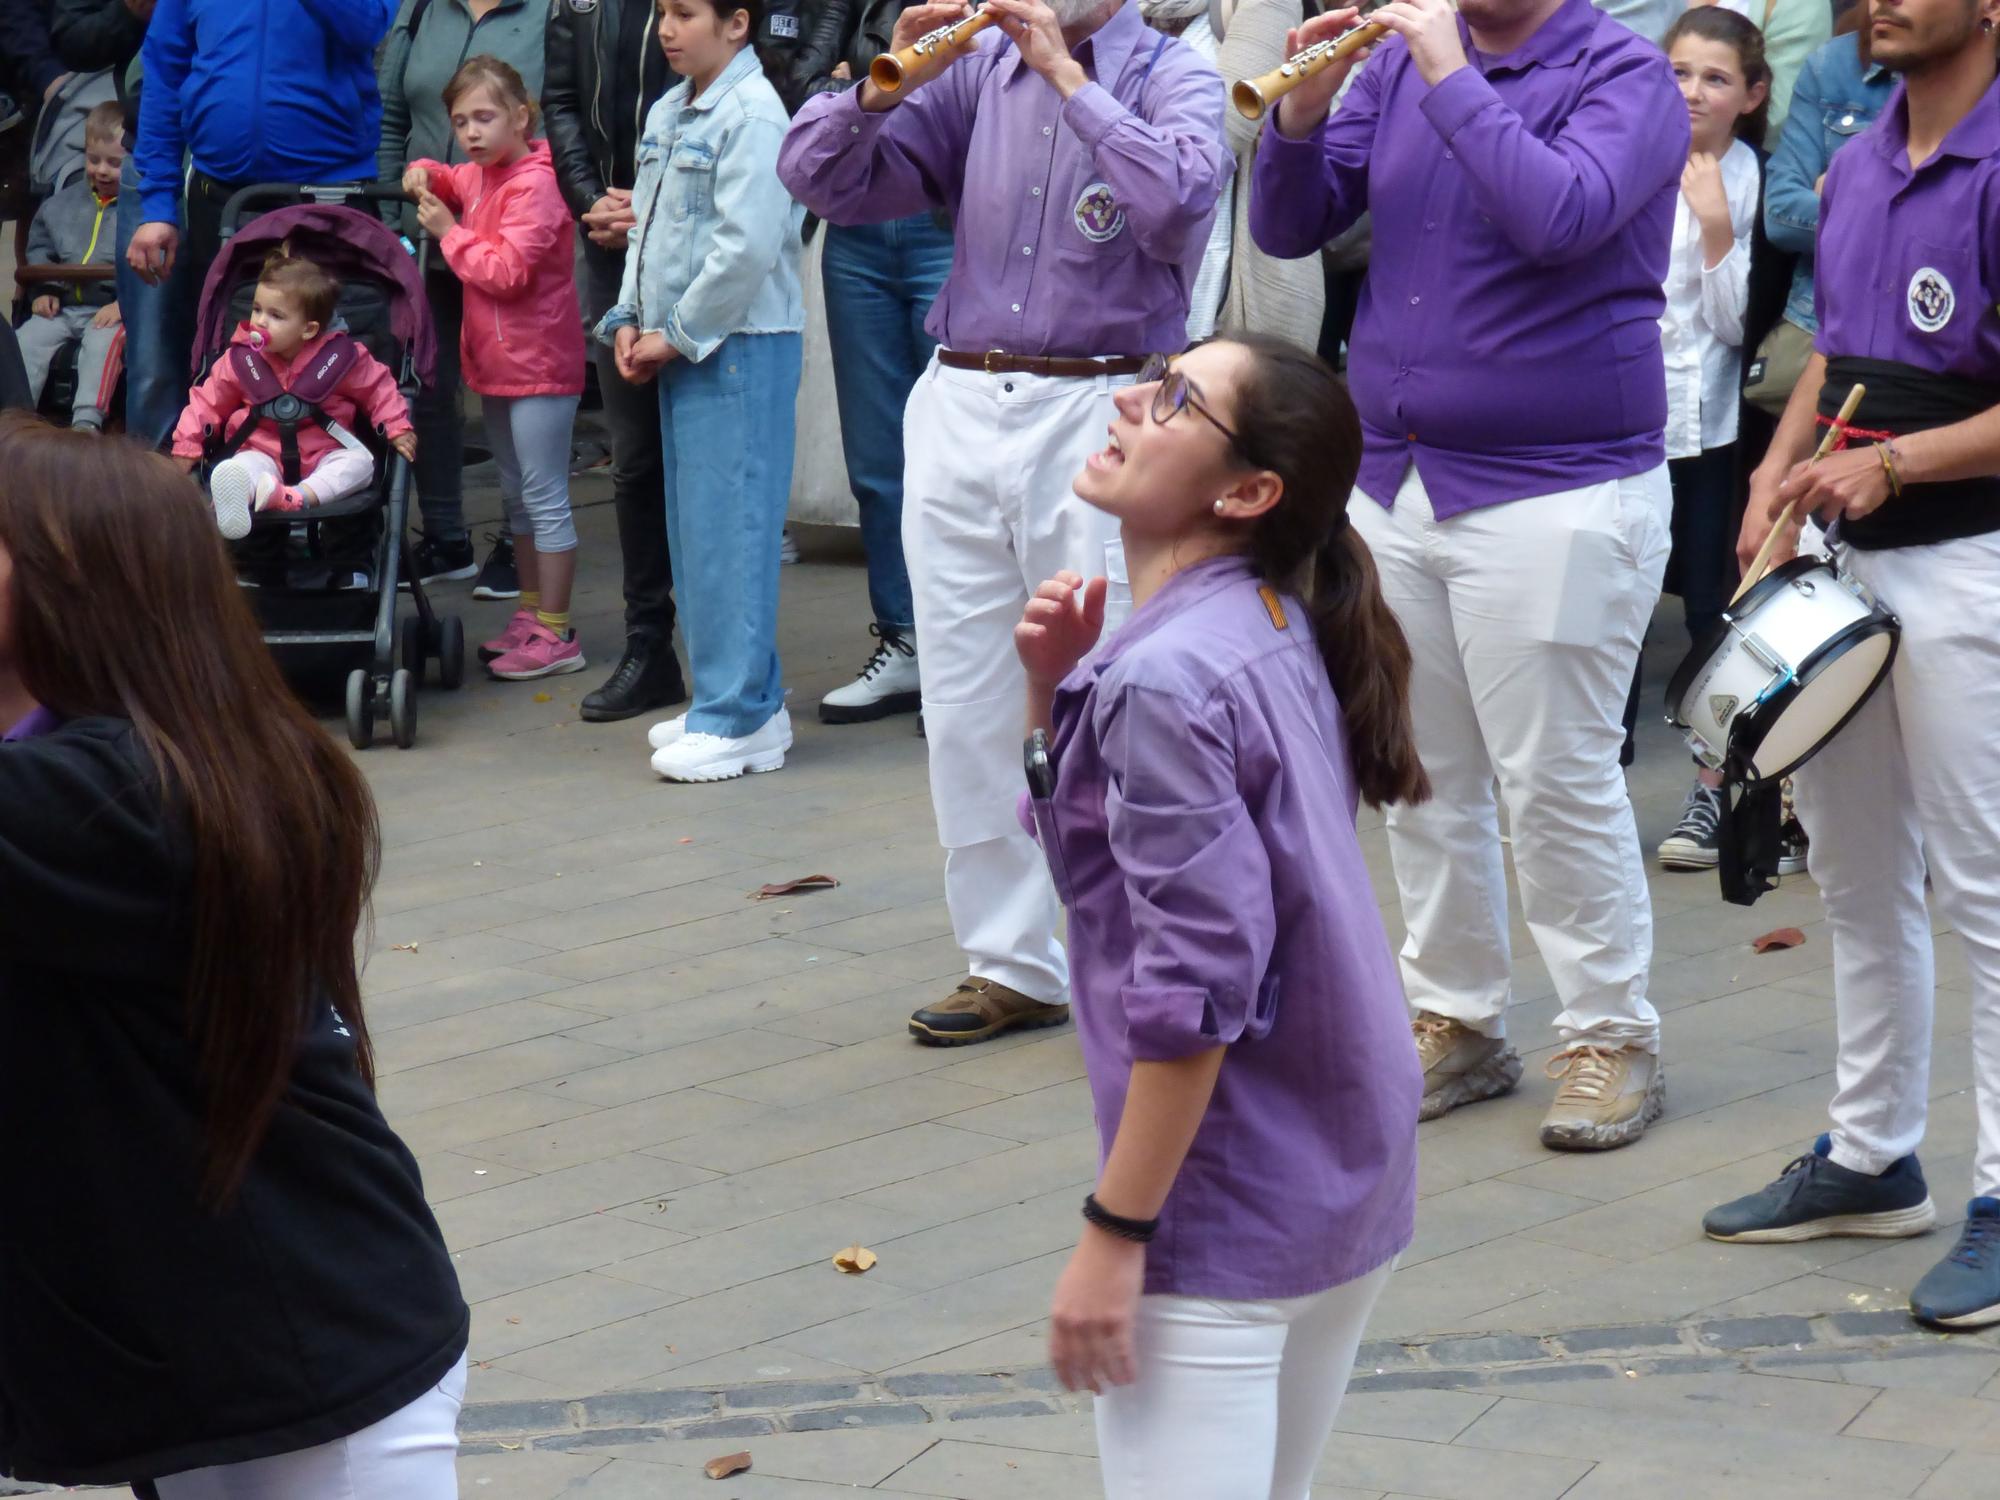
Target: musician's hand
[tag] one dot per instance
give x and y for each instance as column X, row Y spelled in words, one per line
column 1300, row 111
column 913, row 24
column 1850, row 483
column 1060, row 625
column 1038, row 35
column 1758, row 517
column 1431, row 29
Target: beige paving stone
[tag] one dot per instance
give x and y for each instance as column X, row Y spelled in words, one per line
column 553, row 1252
column 809, row 1236
column 589, row 1134
column 1060, row 1109
column 454, row 995
column 573, row 1304
column 452, row 1126
column 472, row 1031
column 910, row 1329
column 1009, row 1174
column 448, row 1175
column 775, row 1134
column 981, row 1471
column 594, row 1187
column 526, row 1476
column 860, row 1458
column 1445, row 1471
column 623, row 1078
column 474, row 1074
column 1961, row 1423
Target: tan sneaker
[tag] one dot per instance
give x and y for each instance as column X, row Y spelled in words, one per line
column 1609, row 1095
column 978, row 1010
column 1460, row 1065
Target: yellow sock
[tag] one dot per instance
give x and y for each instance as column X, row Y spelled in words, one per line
column 530, row 599
column 558, row 621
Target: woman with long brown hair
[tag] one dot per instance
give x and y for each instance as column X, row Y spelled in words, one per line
column 217, row 1267
column 1242, row 1022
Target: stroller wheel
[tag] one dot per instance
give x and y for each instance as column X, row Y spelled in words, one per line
column 403, row 708
column 451, row 652
column 360, row 709
column 413, row 646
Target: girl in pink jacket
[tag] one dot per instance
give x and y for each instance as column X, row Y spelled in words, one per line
column 289, row 329
column 504, row 229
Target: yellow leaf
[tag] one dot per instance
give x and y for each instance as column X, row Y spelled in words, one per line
column 854, row 1260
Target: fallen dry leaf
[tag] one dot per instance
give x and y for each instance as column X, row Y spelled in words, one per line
column 786, row 887
column 513, row 1320
column 543, row 698
column 1784, row 937
column 729, row 1463
column 854, row 1260
column 405, row 947
column 684, row 841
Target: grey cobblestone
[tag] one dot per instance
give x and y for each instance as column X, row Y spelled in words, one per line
column 487, row 1417
column 729, row 1427
column 597, row 1437
column 791, row 1393
column 1493, row 1349
column 951, row 1385
column 1384, row 1355
column 1414, row 1380
column 1868, row 1324
column 641, row 1408
column 1006, row 1409
column 830, row 1418
column 1755, row 1333
column 1548, row 1374
column 1619, row 1339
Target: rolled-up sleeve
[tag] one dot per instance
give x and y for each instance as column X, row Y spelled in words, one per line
column 1196, row 873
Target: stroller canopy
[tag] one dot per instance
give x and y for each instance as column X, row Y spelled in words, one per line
column 346, row 242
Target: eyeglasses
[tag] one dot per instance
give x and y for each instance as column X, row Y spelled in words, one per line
column 1176, row 394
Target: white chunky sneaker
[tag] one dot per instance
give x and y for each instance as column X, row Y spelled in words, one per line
column 667, row 731
column 887, row 684
column 714, row 757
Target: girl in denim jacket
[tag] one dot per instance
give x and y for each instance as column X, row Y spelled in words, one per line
column 710, row 308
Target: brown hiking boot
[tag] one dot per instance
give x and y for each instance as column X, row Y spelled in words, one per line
column 1460, row 1065
column 979, row 1010
column 1609, row 1095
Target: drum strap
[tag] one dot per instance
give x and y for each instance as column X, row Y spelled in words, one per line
column 1748, row 840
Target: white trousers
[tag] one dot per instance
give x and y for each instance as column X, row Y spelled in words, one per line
column 988, row 514
column 409, row 1455
column 1234, row 1400
column 1913, row 779
column 1525, row 621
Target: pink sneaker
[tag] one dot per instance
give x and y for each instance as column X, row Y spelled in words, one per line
column 542, row 654
column 285, row 497
column 518, row 625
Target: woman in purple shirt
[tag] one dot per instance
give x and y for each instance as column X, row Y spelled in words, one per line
column 1241, row 1017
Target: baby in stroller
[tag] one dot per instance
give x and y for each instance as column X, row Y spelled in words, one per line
column 289, row 345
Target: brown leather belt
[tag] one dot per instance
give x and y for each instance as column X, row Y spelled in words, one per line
column 999, row 362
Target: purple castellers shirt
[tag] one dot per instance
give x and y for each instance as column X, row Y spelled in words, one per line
column 1202, row 837
column 1908, row 262
column 1079, row 224
column 1507, row 339
column 37, row 721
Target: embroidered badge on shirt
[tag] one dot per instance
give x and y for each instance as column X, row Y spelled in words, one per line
column 1097, row 214
column 1931, row 299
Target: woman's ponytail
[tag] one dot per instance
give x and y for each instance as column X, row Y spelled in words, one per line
column 1294, row 415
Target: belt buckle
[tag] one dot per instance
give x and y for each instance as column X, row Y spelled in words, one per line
column 987, row 363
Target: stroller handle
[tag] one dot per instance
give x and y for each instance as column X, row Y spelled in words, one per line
column 243, row 203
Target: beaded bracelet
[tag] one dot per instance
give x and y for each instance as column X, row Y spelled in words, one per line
column 1884, row 452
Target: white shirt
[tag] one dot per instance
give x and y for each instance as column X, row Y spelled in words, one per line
column 1701, row 331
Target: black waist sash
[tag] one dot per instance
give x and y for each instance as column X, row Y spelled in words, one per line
column 1904, row 399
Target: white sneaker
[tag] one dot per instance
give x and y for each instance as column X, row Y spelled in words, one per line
column 667, row 731
column 714, row 757
column 237, row 495
column 887, row 684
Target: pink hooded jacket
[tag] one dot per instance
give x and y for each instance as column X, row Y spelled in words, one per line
column 221, row 404
column 514, row 248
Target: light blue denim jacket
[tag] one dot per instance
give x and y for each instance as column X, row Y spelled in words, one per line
column 716, row 247
column 1834, row 100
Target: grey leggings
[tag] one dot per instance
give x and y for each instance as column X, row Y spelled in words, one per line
column 530, row 439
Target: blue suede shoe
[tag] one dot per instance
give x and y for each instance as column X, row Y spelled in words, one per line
column 1963, row 1289
column 1814, row 1198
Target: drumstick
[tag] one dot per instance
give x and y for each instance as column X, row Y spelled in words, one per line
column 1826, row 446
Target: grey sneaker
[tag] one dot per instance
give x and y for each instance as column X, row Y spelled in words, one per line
column 1609, row 1095
column 1692, row 844
column 1461, row 1066
column 1963, row 1289
column 1815, row 1198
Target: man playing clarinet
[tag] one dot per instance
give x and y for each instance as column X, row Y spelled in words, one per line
column 1908, row 276
column 1080, row 155
column 1520, row 160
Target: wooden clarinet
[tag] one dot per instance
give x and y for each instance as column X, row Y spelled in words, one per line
column 892, row 69
column 1253, row 96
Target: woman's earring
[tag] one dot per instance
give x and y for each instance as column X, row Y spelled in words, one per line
column 1221, row 506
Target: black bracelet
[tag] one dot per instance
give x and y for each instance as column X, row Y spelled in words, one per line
column 1139, row 1231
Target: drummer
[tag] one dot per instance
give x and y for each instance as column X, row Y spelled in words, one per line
column 1521, row 159
column 1906, row 294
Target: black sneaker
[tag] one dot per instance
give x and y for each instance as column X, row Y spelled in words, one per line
column 1692, row 844
column 438, row 560
column 1792, row 845
column 497, row 577
column 1963, row 1289
column 647, row 677
column 1815, row 1198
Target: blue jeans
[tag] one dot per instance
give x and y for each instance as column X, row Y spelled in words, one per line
column 880, row 281
column 159, row 334
column 726, row 431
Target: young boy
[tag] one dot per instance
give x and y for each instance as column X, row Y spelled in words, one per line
column 79, row 226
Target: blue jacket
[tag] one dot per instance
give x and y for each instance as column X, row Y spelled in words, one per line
column 258, row 91
column 1835, row 99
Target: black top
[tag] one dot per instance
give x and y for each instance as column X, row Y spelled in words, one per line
column 140, row 1333
column 1903, row 399
column 602, row 71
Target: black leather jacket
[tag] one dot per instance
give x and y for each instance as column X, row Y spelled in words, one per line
column 603, row 69
column 868, row 38
column 800, row 44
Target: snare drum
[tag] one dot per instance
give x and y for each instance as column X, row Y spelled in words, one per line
column 1792, row 661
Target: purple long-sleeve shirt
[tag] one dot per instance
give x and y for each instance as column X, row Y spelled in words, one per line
column 1202, row 836
column 1079, row 223
column 1507, row 339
